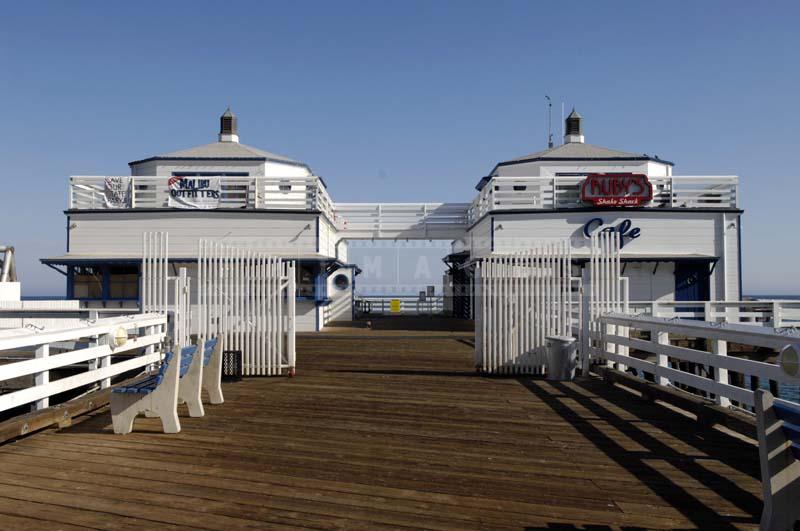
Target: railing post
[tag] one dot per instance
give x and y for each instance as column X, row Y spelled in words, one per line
column 777, row 318
column 105, row 361
column 720, row 348
column 133, row 191
column 662, row 338
column 586, row 322
column 42, row 378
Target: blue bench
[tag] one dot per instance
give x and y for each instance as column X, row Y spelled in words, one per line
column 778, row 424
column 154, row 395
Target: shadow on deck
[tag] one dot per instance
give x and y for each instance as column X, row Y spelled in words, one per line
column 382, row 431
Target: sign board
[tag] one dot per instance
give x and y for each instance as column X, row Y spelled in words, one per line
column 394, row 306
column 117, row 192
column 194, row 192
column 616, row 189
column 431, row 291
column 421, row 296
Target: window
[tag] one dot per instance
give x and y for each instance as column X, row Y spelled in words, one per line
column 341, row 282
column 108, row 282
column 87, row 283
column 123, row 282
column 305, row 280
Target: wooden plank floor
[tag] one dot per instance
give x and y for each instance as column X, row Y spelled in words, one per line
column 389, row 430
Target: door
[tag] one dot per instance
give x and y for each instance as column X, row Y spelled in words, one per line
column 692, row 281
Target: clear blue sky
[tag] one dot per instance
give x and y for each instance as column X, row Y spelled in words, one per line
column 400, row 101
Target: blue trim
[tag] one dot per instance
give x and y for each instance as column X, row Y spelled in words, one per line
column 739, row 252
column 70, row 282
column 491, row 250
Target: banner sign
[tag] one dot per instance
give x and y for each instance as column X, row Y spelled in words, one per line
column 117, row 192
column 194, row 192
column 616, row 189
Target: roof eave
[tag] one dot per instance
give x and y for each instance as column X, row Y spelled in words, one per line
column 249, row 159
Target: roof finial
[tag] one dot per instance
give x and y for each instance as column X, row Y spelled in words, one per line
column 228, row 130
column 574, row 128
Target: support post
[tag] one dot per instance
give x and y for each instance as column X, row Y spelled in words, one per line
column 42, row 378
column 662, row 338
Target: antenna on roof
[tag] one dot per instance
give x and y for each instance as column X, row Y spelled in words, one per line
column 549, row 121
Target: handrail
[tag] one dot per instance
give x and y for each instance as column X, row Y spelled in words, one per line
column 552, row 192
column 89, row 343
column 614, row 331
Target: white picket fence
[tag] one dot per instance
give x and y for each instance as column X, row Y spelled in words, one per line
column 247, row 298
column 716, row 363
column 520, row 300
column 155, row 272
column 91, row 348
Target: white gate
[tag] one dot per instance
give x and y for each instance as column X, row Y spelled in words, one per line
column 155, row 272
column 247, row 299
column 520, row 300
column 605, row 290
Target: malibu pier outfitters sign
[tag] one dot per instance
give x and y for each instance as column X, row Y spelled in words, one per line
column 194, row 192
column 616, row 189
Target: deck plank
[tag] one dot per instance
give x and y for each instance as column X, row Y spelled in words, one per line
column 390, row 430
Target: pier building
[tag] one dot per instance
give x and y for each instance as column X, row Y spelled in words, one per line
column 679, row 235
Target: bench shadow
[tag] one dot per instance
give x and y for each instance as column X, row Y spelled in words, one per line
column 637, row 462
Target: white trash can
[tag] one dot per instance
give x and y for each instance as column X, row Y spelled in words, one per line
column 562, row 357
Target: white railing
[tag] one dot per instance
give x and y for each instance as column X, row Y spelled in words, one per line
column 281, row 193
column 771, row 313
column 91, row 345
column 715, row 362
column 405, row 305
column 402, row 220
column 519, row 193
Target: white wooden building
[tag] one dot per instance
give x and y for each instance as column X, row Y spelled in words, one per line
column 680, row 235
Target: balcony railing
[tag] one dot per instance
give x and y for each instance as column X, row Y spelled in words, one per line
column 550, row 193
column 402, row 220
column 283, row 193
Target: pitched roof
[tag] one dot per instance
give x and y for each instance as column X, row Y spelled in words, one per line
column 222, row 151
column 581, row 151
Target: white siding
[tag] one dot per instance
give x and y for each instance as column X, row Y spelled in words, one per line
column 276, row 169
column 480, row 238
column 662, row 233
column 306, row 316
column 650, row 281
column 120, row 233
column 327, row 238
column 341, row 306
column 167, row 167
column 551, row 168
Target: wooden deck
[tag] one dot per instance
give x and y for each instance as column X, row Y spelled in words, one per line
column 386, row 429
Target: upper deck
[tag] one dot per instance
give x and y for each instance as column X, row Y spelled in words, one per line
column 400, row 220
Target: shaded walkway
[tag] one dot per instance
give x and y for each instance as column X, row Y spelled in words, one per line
column 384, row 430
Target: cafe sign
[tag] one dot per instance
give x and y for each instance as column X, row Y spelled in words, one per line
column 616, row 189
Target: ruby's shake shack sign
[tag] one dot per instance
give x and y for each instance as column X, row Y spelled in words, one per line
column 194, row 192
column 616, row 189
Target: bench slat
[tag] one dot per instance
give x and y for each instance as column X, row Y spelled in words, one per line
column 787, row 413
column 208, row 350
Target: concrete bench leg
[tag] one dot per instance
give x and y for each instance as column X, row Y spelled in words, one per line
column 189, row 386
column 162, row 403
column 212, row 376
column 780, row 471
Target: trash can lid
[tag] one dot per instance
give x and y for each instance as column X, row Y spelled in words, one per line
column 562, row 339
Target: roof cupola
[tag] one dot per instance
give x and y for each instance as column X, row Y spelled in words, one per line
column 228, row 131
column 573, row 128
